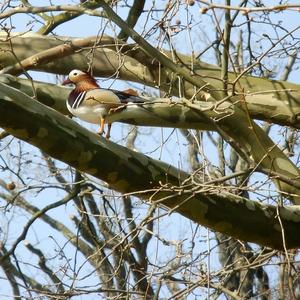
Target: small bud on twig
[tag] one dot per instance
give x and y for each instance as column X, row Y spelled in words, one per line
column 203, row 10
column 11, row 186
column 190, row 2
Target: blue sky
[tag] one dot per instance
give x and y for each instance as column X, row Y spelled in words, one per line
column 152, row 141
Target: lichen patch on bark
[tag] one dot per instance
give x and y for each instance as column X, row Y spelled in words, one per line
column 85, row 157
column 277, row 227
column 250, row 205
column 122, row 185
column 200, row 211
column 91, row 171
column 283, row 165
column 223, row 226
column 290, row 215
column 42, row 133
column 21, row 133
column 112, row 177
column 155, row 173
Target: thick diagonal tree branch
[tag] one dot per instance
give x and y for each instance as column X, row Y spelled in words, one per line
column 122, row 168
column 163, row 113
column 158, row 112
column 237, row 128
column 138, row 67
column 57, row 52
column 273, row 110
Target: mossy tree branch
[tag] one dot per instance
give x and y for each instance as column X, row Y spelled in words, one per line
column 237, row 128
column 121, row 168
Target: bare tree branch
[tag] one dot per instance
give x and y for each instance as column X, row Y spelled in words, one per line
column 121, row 169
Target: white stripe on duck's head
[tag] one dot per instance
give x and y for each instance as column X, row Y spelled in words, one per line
column 79, row 77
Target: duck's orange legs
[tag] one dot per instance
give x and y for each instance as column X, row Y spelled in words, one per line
column 101, row 129
column 107, row 136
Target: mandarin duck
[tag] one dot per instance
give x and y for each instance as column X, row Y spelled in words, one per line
column 93, row 104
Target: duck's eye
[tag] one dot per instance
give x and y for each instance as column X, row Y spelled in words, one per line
column 75, row 74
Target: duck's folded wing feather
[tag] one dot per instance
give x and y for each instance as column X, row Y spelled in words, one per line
column 101, row 96
column 126, row 97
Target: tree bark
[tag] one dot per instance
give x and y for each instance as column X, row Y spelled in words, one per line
column 127, row 171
